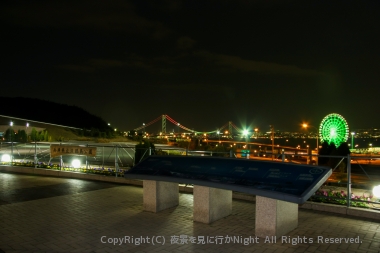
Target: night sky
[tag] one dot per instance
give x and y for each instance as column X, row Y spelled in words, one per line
column 203, row 63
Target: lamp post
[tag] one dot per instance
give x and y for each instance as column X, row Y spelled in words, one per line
column 245, row 133
column 304, row 125
column 272, row 133
column 352, row 140
column 26, row 131
column 256, row 131
column 10, row 138
column 143, row 130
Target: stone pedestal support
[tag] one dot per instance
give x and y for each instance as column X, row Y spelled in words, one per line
column 275, row 217
column 159, row 195
column 211, row 204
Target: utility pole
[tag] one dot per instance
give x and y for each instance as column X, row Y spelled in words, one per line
column 272, row 133
column 10, row 139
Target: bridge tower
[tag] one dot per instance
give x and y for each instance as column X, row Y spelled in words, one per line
column 230, row 128
column 163, row 123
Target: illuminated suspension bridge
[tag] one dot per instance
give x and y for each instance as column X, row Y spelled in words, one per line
column 164, row 118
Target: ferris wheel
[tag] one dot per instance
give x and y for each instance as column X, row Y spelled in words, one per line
column 334, row 129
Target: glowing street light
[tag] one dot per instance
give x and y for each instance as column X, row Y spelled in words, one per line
column 6, row 158
column 10, row 138
column 376, row 191
column 272, row 133
column 26, row 131
column 304, row 125
column 245, row 133
column 75, row 163
column 352, row 139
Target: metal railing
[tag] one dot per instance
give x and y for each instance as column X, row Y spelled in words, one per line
column 114, row 159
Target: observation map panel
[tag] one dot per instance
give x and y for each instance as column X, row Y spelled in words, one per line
column 283, row 181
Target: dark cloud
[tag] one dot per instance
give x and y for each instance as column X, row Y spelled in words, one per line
column 93, row 65
column 237, row 63
column 185, row 42
column 88, row 14
column 77, row 68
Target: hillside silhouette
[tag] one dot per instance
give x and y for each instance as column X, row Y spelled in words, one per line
column 54, row 113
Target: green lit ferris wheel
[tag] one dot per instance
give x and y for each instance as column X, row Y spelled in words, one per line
column 333, row 128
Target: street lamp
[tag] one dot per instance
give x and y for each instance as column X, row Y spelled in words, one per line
column 256, row 131
column 272, row 133
column 352, row 140
column 26, row 131
column 10, row 138
column 143, row 129
column 10, row 131
column 304, row 125
column 245, row 133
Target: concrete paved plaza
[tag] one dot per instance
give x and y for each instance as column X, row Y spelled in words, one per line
column 47, row 214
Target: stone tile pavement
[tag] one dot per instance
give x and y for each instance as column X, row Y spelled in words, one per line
column 103, row 219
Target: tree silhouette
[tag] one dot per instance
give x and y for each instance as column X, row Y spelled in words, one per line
column 142, row 150
column 324, row 150
column 332, row 150
column 9, row 134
